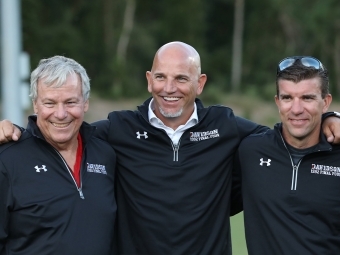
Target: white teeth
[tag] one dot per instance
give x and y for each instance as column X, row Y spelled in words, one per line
column 171, row 98
column 60, row 125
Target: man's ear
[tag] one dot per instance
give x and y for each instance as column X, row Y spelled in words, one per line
column 149, row 80
column 86, row 105
column 277, row 102
column 201, row 82
column 327, row 101
column 35, row 107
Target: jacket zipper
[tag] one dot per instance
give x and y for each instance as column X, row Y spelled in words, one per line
column 175, row 149
column 294, row 175
column 295, row 168
column 75, row 183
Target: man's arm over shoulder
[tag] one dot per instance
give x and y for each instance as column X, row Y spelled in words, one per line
column 247, row 127
column 331, row 126
column 102, row 129
column 9, row 131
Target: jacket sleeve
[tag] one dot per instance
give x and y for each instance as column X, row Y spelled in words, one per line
column 102, row 129
column 4, row 207
column 247, row 127
column 236, row 188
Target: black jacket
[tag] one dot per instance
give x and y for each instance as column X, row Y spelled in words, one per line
column 290, row 209
column 175, row 199
column 41, row 210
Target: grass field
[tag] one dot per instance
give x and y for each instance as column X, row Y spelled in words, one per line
column 237, row 235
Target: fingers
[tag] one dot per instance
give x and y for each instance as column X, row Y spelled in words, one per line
column 7, row 131
column 16, row 135
column 330, row 138
column 331, row 129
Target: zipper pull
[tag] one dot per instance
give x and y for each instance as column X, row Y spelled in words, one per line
column 175, row 152
column 81, row 193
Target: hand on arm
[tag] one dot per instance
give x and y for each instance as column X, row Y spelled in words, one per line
column 8, row 131
column 331, row 129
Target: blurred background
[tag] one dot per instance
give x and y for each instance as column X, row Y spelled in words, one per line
column 240, row 43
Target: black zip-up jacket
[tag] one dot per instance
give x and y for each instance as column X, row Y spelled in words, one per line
column 290, row 209
column 175, row 199
column 42, row 212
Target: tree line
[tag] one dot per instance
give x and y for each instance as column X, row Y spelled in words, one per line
column 240, row 41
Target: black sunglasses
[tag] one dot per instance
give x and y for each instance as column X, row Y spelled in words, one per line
column 304, row 60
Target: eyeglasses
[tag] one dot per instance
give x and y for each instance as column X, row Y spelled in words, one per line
column 304, row 60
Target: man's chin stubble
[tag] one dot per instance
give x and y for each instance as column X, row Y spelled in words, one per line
column 171, row 115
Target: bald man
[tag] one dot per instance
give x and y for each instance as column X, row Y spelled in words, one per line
column 174, row 162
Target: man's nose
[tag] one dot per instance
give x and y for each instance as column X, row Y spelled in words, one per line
column 170, row 86
column 297, row 106
column 60, row 111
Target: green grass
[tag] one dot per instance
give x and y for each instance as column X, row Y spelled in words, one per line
column 237, row 235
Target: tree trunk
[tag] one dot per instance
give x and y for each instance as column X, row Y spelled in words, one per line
column 290, row 29
column 337, row 63
column 126, row 31
column 236, row 71
column 108, row 12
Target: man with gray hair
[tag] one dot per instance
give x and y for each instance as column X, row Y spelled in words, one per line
column 57, row 181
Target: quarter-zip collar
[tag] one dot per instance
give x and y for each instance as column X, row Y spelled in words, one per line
column 86, row 131
column 144, row 109
column 200, row 113
column 323, row 144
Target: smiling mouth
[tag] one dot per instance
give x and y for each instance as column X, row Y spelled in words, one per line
column 60, row 125
column 298, row 121
column 171, row 98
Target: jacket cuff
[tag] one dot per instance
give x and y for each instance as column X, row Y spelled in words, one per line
column 22, row 129
column 330, row 114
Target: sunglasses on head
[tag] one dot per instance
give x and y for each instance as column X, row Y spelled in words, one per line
column 304, row 60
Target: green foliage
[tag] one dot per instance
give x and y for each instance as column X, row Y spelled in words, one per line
column 89, row 31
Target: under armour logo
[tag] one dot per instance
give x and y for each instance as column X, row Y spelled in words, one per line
column 267, row 162
column 139, row 135
column 43, row 167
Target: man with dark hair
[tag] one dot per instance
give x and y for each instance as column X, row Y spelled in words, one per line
column 291, row 178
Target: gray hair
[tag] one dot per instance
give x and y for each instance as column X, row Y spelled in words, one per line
column 54, row 71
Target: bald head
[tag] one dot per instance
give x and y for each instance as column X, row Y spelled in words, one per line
column 174, row 81
column 178, row 50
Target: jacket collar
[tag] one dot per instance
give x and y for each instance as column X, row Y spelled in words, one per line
column 144, row 108
column 323, row 144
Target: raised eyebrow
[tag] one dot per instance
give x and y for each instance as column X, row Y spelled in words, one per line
column 47, row 100
column 72, row 99
column 182, row 76
column 309, row 96
column 157, row 74
column 285, row 96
